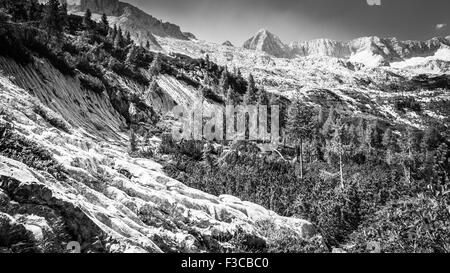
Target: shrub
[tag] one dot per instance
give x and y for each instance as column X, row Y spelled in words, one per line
column 126, row 71
column 412, row 225
column 51, row 118
column 284, row 240
column 209, row 94
column 13, row 47
column 91, row 83
column 31, row 154
column 407, row 103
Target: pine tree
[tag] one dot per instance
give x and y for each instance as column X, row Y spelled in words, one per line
column 207, row 155
column 224, row 81
column 52, row 18
column 34, row 11
column 155, row 66
column 251, row 95
column 320, row 117
column 431, row 139
column 114, row 33
column 300, row 125
column 390, row 145
column 232, row 99
column 118, row 41
column 318, row 138
column 328, row 126
column 87, row 20
column 63, row 15
column 128, row 38
column 441, row 169
column 207, row 62
column 18, row 10
column 263, row 99
column 133, row 141
column 105, row 22
column 337, row 147
column 406, row 153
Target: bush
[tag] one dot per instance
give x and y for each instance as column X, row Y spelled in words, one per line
column 91, row 83
column 191, row 148
column 51, row 118
column 263, row 180
column 13, row 47
column 412, row 225
column 124, row 70
column 283, row 240
column 407, row 103
column 209, row 94
column 31, row 154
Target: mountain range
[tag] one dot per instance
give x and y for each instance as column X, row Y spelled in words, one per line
column 371, row 51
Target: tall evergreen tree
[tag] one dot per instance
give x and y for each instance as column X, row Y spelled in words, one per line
column 224, row 81
column 251, row 96
column 389, row 144
column 52, row 18
column 338, row 148
column 118, row 40
column 263, row 98
column 105, row 23
column 63, row 14
column 406, row 153
column 18, row 10
column 300, row 126
column 128, row 38
column 87, row 20
column 328, row 126
column 232, row 98
column 155, row 66
column 207, row 62
column 114, row 33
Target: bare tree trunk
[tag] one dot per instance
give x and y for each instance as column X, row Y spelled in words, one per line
column 301, row 159
column 272, row 196
column 342, row 175
column 407, row 172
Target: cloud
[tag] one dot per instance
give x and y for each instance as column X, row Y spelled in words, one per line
column 441, row 26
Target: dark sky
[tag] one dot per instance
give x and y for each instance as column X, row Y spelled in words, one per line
column 237, row 20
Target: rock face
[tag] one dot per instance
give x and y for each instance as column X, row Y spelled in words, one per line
column 141, row 25
column 269, row 43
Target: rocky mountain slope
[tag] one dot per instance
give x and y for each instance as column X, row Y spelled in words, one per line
column 66, row 173
column 142, row 26
column 369, row 91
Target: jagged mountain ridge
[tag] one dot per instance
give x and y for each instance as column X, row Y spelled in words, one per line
column 382, row 50
column 371, row 51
